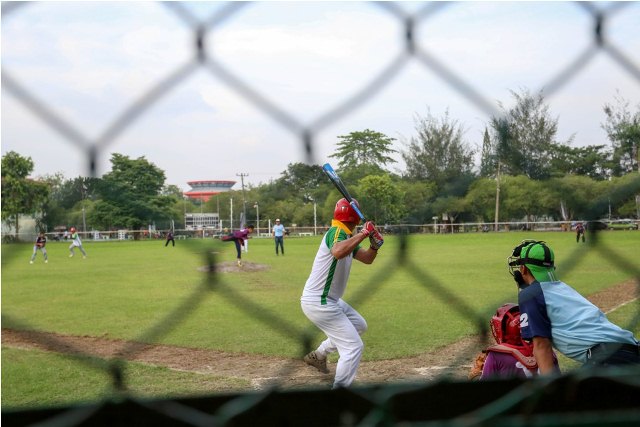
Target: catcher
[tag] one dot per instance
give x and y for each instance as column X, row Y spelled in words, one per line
column 41, row 241
column 511, row 356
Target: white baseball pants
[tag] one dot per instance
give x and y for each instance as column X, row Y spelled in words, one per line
column 343, row 326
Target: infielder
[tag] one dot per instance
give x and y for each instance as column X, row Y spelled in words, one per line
column 552, row 314
column 278, row 236
column 76, row 243
column 322, row 301
column 41, row 241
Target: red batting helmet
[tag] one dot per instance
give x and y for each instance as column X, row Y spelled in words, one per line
column 345, row 213
column 505, row 325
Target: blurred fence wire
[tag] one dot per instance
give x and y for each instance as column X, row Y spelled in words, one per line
column 375, row 406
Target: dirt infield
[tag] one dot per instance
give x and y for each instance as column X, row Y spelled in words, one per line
column 262, row 371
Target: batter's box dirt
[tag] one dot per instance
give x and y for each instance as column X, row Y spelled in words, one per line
column 232, row 267
column 453, row 360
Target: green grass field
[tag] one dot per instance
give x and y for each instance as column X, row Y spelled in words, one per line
column 430, row 296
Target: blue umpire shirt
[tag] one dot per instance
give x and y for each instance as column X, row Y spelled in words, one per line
column 556, row 311
column 278, row 230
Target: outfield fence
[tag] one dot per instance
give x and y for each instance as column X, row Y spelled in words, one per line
column 583, row 398
column 310, row 231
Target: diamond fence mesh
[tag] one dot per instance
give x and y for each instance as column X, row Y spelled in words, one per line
column 577, row 399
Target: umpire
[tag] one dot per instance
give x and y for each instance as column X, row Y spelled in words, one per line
column 552, row 314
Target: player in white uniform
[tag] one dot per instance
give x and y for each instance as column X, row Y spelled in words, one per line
column 76, row 243
column 321, row 299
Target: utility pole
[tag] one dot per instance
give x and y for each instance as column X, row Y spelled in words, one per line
column 244, row 202
column 497, row 198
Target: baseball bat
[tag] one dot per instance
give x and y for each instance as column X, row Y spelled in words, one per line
column 335, row 179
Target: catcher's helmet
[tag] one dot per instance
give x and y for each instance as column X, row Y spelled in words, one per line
column 505, row 325
column 345, row 213
column 536, row 256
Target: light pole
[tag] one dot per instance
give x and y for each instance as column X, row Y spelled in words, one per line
column 495, row 221
column 244, row 202
column 257, row 218
column 83, row 192
column 315, row 222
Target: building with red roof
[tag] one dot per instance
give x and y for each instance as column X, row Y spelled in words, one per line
column 203, row 190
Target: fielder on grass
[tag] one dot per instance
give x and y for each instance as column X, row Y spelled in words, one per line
column 40, row 244
column 76, row 243
column 322, row 301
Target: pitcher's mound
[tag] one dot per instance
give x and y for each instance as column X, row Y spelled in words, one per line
column 232, row 267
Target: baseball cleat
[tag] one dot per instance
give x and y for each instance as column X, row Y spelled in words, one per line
column 30, row 262
column 71, row 256
column 312, row 359
column 239, row 263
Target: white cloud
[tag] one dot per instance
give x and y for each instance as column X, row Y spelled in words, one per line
column 89, row 61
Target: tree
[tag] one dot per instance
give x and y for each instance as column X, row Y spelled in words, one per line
column 573, row 196
column 302, row 181
column 172, row 190
column 438, row 153
column 623, row 128
column 629, row 205
column 593, row 161
column 67, row 196
column 381, row 199
column 523, row 197
column 418, row 196
column 20, row 195
column 450, row 207
column 480, row 199
column 131, row 194
column 525, row 136
column 488, row 160
column 364, row 148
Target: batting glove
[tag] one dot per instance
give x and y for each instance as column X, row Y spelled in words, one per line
column 375, row 240
column 368, row 228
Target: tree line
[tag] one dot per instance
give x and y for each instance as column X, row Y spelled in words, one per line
column 524, row 172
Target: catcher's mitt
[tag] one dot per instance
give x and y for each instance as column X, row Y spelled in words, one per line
column 478, row 364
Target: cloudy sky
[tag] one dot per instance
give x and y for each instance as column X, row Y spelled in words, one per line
column 85, row 64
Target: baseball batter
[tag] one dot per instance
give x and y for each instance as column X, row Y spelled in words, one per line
column 322, row 301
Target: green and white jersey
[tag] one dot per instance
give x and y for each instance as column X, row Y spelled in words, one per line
column 328, row 278
column 76, row 239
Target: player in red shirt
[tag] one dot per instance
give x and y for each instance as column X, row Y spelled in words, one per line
column 238, row 237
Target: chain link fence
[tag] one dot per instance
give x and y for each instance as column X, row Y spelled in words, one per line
column 605, row 398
